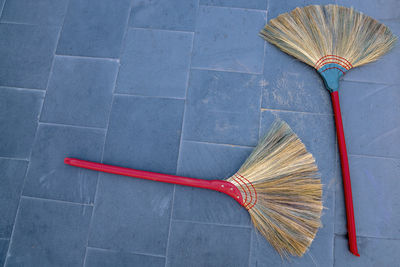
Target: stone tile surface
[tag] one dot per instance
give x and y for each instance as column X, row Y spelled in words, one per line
column 12, row 174
column 131, row 215
column 80, row 92
column 19, row 112
column 90, row 29
column 155, row 63
column 49, row 233
column 41, row 12
column 144, row 133
column 194, row 245
column 179, row 15
column 227, row 39
column 23, row 65
column 374, row 252
column 222, row 107
column 107, row 258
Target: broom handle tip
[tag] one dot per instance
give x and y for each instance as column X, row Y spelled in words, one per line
column 351, row 226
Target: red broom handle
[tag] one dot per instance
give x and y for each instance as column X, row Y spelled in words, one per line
column 217, row 185
column 348, row 197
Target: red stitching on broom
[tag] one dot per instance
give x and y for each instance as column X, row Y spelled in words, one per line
column 245, row 194
column 255, row 192
column 251, row 197
column 334, row 57
column 335, row 62
column 333, row 68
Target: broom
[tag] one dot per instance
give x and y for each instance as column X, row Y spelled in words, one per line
column 278, row 185
column 332, row 39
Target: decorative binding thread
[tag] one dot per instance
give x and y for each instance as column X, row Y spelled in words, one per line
column 333, row 59
column 251, row 191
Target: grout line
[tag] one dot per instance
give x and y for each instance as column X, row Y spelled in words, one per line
column 20, row 159
column 31, row 149
column 158, row 29
column 69, row 125
column 293, row 111
column 372, row 156
column 2, row 8
column 56, row 200
column 367, row 82
column 229, row 7
column 222, row 70
column 216, row 224
column 170, row 224
column 366, row 236
column 221, row 144
column 262, row 86
column 250, row 245
column 28, row 24
column 148, row 96
column 34, row 90
column 137, row 253
column 88, row 57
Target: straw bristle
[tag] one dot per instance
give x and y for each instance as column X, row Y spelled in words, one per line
column 313, row 32
column 282, row 191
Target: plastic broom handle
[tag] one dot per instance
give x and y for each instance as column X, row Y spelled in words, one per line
column 348, row 197
column 217, row 185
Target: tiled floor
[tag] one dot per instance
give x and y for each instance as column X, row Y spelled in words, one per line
column 180, row 87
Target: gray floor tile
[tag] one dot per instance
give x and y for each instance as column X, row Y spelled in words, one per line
column 370, row 118
column 374, row 252
column 155, row 63
column 227, row 39
column 131, row 215
column 374, row 184
column 317, row 132
column 177, row 15
column 12, row 174
column 256, row 4
column 49, row 233
column 209, row 161
column 378, row 9
column 80, row 92
column 222, row 108
column 292, row 85
column 49, row 177
column 19, row 112
column 275, row 8
column 320, row 253
column 40, row 12
column 25, row 65
column 3, row 249
column 91, row 29
column 144, row 133
column 107, row 258
column 193, row 244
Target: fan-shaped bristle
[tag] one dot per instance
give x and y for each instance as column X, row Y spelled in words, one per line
column 313, row 32
column 281, row 189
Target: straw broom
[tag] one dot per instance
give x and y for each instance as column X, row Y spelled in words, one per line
column 278, row 184
column 332, row 39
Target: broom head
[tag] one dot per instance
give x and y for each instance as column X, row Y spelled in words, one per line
column 281, row 189
column 332, row 39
